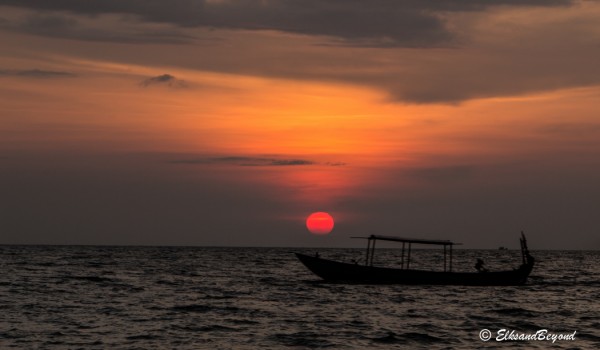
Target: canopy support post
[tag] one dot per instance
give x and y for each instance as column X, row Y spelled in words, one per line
column 450, row 257
column 373, row 251
column 402, row 260
column 444, row 258
column 408, row 260
column 368, row 251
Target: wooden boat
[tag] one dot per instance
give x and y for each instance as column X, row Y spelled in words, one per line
column 333, row 271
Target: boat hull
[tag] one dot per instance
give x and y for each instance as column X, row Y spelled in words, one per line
column 333, row 271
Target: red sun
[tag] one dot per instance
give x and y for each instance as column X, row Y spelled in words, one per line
column 319, row 223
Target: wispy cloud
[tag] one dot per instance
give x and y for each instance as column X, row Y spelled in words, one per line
column 164, row 79
column 36, row 73
column 570, row 129
column 254, row 161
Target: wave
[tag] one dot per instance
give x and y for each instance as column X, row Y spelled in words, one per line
column 306, row 339
column 515, row 311
column 193, row 308
column 413, row 337
column 96, row 279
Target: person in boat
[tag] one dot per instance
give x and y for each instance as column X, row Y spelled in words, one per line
column 530, row 258
column 479, row 266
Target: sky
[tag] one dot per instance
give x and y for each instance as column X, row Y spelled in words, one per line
column 228, row 122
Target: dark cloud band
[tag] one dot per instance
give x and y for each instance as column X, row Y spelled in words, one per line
column 36, row 73
column 254, row 161
column 385, row 23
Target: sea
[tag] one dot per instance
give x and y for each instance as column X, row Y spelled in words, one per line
column 122, row 297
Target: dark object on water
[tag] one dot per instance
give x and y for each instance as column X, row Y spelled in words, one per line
column 479, row 266
column 333, row 271
column 502, row 248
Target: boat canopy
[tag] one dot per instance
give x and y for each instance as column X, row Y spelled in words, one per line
column 410, row 240
column 373, row 238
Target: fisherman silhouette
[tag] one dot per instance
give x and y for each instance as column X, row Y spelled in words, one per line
column 479, row 266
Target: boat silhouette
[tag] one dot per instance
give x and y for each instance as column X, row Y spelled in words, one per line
column 341, row 272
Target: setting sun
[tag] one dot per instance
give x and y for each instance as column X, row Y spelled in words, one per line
column 319, row 223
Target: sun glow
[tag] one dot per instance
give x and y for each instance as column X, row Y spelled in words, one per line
column 320, row 223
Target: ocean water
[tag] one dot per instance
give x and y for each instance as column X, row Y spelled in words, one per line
column 97, row 297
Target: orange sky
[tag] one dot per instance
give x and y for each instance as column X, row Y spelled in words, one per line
column 483, row 118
